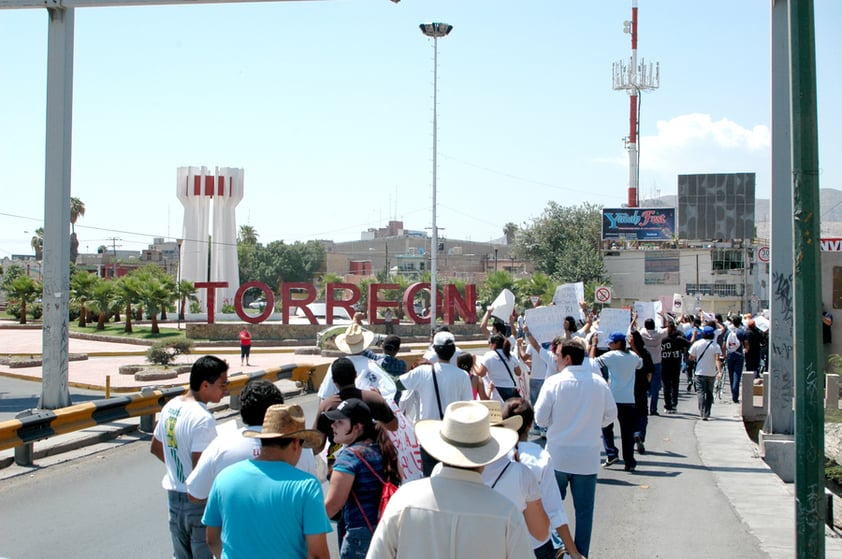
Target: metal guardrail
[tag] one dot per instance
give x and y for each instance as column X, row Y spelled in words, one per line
column 43, row 424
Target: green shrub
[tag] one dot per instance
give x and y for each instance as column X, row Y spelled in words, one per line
column 164, row 353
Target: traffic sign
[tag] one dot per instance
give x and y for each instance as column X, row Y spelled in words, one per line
column 535, row 299
column 602, row 295
column 763, row 254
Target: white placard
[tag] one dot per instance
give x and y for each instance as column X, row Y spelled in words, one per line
column 612, row 320
column 503, row 306
column 406, row 445
column 545, row 323
column 568, row 296
column 677, row 304
column 648, row 309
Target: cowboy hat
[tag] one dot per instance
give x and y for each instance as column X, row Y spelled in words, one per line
column 354, row 340
column 465, row 437
column 495, row 415
column 286, row 421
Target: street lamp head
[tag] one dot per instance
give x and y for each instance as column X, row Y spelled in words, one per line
column 435, row 30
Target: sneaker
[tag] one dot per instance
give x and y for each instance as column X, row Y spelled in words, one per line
column 705, row 418
column 673, row 411
column 610, row 460
column 639, row 443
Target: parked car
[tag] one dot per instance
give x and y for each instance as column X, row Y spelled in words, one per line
column 257, row 304
column 319, row 310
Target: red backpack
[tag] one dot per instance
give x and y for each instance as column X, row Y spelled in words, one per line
column 389, row 489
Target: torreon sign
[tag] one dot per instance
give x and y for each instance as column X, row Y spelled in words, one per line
column 449, row 306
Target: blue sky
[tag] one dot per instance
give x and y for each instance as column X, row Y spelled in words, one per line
column 327, row 106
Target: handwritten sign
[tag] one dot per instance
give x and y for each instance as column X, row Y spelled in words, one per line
column 612, row 320
column 545, row 323
column 567, row 297
column 406, row 445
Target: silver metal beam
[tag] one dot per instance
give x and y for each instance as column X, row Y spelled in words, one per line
column 55, row 392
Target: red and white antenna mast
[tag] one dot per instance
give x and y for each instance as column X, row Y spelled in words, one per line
column 634, row 78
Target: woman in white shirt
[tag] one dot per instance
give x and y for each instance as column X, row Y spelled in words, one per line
column 500, row 366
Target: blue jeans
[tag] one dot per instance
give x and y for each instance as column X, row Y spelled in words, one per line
column 655, row 388
column 356, row 542
column 186, row 528
column 704, row 391
column 735, row 369
column 583, row 490
column 535, row 385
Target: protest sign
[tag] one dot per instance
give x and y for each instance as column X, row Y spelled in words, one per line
column 648, row 309
column 612, row 320
column 568, row 296
column 545, row 323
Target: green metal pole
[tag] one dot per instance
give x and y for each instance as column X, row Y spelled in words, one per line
column 809, row 377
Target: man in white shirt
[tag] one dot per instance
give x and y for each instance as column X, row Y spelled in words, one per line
column 185, row 429
column 574, row 405
column 453, row 513
column 231, row 447
column 707, row 356
column 437, row 386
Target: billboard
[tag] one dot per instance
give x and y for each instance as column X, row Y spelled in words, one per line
column 716, row 206
column 652, row 224
column 661, row 267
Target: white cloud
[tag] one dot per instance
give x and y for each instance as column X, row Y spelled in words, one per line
column 695, row 143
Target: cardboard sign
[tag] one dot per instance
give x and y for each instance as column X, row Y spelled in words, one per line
column 545, row 323
column 568, row 296
column 648, row 309
column 612, row 320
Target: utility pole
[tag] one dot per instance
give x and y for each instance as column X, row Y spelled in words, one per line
column 114, row 246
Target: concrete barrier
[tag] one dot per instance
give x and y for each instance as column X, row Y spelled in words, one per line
column 36, row 425
column 831, row 393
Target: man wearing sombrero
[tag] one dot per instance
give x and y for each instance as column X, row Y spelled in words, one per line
column 352, row 343
column 453, row 513
column 267, row 507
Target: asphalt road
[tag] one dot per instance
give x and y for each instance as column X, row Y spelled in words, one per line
column 17, row 395
column 111, row 504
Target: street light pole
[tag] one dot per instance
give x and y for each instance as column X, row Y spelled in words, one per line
column 434, row 30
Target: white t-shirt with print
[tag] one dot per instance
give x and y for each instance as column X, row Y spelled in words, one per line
column 185, row 426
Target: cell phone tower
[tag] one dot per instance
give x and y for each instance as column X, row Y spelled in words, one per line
column 634, row 78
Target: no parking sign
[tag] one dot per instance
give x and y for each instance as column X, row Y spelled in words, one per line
column 603, row 295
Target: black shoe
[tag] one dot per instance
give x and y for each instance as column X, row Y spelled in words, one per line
column 673, row 411
column 630, row 468
column 689, row 386
column 654, row 412
column 639, row 442
column 609, row 460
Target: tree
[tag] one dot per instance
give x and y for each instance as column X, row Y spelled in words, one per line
column 37, row 243
column 494, row 284
column 81, row 288
column 564, row 243
column 510, row 230
column 77, row 210
column 155, row 294
column 186, row 292
column 128, row 293
column 102, row 300
column 539, row 284
column 248, row 235
column 23, row 290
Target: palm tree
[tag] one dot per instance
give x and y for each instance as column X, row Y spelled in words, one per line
column 510, row 230
column 248, row 235
column 81, row 286
column 102, row 299
column 37, row 243
column 187, row 292
column 127, row 291
column 24, row 290
column 155, row 294
column 77, row 210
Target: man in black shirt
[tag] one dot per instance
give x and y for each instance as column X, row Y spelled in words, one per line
column 673, row 348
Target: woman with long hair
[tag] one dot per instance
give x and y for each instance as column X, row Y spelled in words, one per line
column 366, row 462
column 501, row 367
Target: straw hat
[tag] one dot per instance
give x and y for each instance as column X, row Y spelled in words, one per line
column 286, row 421
column 465, row 437
column 354, row 340
column 495, row 415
